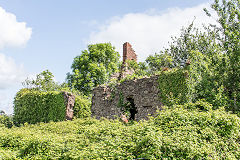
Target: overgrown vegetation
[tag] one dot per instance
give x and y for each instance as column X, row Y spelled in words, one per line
column 199, row 82
column 173, row 87
column 211, row 57
column 82, row 107
column 190, row 131
column 37, row 106
column 5, row 120
column 43, row 101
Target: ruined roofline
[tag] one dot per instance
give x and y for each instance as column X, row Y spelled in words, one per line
column 128, row 80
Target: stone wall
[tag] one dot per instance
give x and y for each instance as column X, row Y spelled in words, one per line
column 142, row 93
column 69, row 100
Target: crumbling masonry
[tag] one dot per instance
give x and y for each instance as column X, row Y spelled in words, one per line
column 141, row 94
column 69, row 100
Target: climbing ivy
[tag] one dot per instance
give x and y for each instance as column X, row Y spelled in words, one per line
column 82, row 107
column 33, row 106
column 36, row 106
column 173, row 87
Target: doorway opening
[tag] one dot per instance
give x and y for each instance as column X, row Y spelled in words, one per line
column 132, row 108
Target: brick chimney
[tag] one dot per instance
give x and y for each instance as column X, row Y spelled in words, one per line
column 128, row 52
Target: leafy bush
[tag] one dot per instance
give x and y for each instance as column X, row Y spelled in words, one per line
column 6, row 121
column 82, row 107
column 197, row 134
column 180, row 132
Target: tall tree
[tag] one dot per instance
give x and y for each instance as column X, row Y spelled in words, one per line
column 228, row 12
column 157, row 62
column 93, row 67
column 193, row 39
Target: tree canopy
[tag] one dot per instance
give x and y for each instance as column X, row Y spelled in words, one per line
column 44, row 81
column 93, row 67
column 229, row 19
column 214, row 54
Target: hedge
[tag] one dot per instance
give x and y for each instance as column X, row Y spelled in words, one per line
column 33, row 106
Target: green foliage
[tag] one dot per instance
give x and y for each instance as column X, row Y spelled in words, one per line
column 199, row 134
column 229, row 19
column 36, row 106
column 43, row 101
column 121, row 104
column 139, row 69
column 43, row 82
column 193, row 39
column 93, row 67
column 6, row 120
column 214, row 54
column 173, row 87
column 157, row 62
column 205, row 79
column 82, row 107
column 124, row 106
column 190, row 131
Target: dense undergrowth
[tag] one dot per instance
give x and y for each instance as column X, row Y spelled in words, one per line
column 191, row 131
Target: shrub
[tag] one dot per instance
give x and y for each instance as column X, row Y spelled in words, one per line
column 6, row 121
column 34, row 106
column 82, row 107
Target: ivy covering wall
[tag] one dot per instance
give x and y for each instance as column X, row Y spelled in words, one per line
column 82, row 107
column 173, row 87
column 33, row 106
column 36, row 106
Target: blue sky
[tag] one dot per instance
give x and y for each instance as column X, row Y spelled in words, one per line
column 40, row 35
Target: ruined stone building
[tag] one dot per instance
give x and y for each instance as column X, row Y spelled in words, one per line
column 140, row 94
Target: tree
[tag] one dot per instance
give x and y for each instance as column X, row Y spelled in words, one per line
column 215, row 55
column 229, row 19
column 44, row 82
column 203, row 51
column 93, row 67
column 193, row 39
column 157, row 62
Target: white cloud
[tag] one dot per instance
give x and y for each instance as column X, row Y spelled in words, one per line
column 148, row 32
column 12, row 33
column 6, row 100
column 10, row 72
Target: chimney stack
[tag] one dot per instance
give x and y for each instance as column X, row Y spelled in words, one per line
column 128, row 53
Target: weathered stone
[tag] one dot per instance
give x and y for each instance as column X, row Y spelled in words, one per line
column 69, row 99
column 143, row 93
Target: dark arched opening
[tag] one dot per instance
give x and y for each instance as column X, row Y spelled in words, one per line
column 132, row 108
